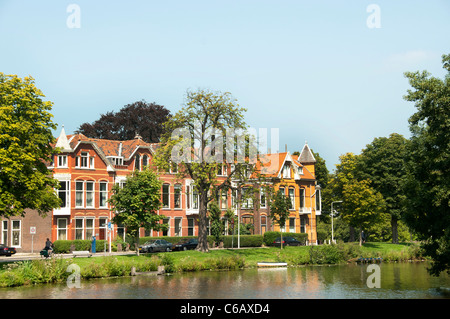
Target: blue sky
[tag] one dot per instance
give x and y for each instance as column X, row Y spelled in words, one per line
column 313, row 69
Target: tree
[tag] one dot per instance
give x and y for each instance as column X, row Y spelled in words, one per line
column 25, row 148
column 280, row 206
column 382, row 162
column 136, row 205
column 145, row 119
column 427, row 185
column 362, row 205
column 197, row 139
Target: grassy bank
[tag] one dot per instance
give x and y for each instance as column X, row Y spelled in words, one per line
column 54, row 270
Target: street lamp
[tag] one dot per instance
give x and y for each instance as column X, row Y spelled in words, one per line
column 332, row 230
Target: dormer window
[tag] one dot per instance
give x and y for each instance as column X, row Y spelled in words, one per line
column 286, row 171
column 300, row 170
column 84, row 160
column 62, row 161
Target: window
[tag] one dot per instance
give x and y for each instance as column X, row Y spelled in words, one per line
column 302, row 197
column 64, row 193
column 300, row 170
column 177, row 196
column 263, row 224
column 90, row 194
column 281, row 190
column 188, row 199
column 291, row 225
column 247, row 202
column 177, row 225
column 286, row 171
column 89, row 228
column 292, row 196
column 166, row 232
column 84, row 160
column 62, row 161
column 166, row 196
column 194, row 199
column 224, row 201
column 84, row 228
column 61, row 227
column 302, row 224
column 190, row 226
column 144, row 161
column 103, row 194
column 102, row 225
column 79, row 227
column 79, row 193
column 5, row 232
column 262, row 200
column 15, row 233
column 137, row 162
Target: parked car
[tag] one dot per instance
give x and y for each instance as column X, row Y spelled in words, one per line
column 287, row 241
column 7, row 251
column 186, row 244
column 155, row 245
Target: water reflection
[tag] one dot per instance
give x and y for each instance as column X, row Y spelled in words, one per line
column 348, row 281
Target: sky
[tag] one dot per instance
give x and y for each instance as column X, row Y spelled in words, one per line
column 329, row 73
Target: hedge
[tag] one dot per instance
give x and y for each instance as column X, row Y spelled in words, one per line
column 63, row 246
column 270, row 236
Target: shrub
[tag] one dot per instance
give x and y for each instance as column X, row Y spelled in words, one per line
column 325, row 254
column 63, row 246
column 270, row 236
column 245, row 241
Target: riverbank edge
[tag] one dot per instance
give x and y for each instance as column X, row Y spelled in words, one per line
column 22, row 273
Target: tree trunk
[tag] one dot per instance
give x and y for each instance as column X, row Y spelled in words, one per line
column 136, row 244
column 360, row 237
column 394, row 224
column 202, row 223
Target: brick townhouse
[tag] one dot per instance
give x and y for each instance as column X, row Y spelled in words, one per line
column 87, row 169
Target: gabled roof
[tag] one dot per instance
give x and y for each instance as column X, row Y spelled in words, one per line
column 271, row 165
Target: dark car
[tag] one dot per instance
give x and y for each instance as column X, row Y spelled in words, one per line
column 7, row 251
column 155, row 245
column 186, row 244
column 287, row 241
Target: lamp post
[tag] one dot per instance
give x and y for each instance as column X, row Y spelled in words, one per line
column 332, row 215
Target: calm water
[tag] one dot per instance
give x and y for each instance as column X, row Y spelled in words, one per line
column 402, row 280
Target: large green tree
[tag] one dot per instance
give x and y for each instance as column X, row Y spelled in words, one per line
column 196, row 139
column 25, row 148
column 428, row 164
column 136, row 204
column 382, row 162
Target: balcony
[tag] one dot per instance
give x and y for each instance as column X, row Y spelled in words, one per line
column 304, row 210
column 191, row 211
column 64, row 211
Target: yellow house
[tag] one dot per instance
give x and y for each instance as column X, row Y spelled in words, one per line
column 294, row 175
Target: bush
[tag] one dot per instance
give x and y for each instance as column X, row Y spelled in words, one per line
column 245, row 241
column 63, row 246
column 270, row 236
column 325, row 254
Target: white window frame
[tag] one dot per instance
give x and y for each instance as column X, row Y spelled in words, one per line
column 180, row 233
column 13, row 230
column 61, row 161
column 77, row 191
column 102, row 193
column 84, row 161
column 292, row 189
column 289, row 220
column 67, row 191
column 180, row 196
column 89, row 192
column 4, row 232
column 168, row 196
column 58, row 228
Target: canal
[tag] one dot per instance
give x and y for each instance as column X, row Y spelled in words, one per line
column 396, row 280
